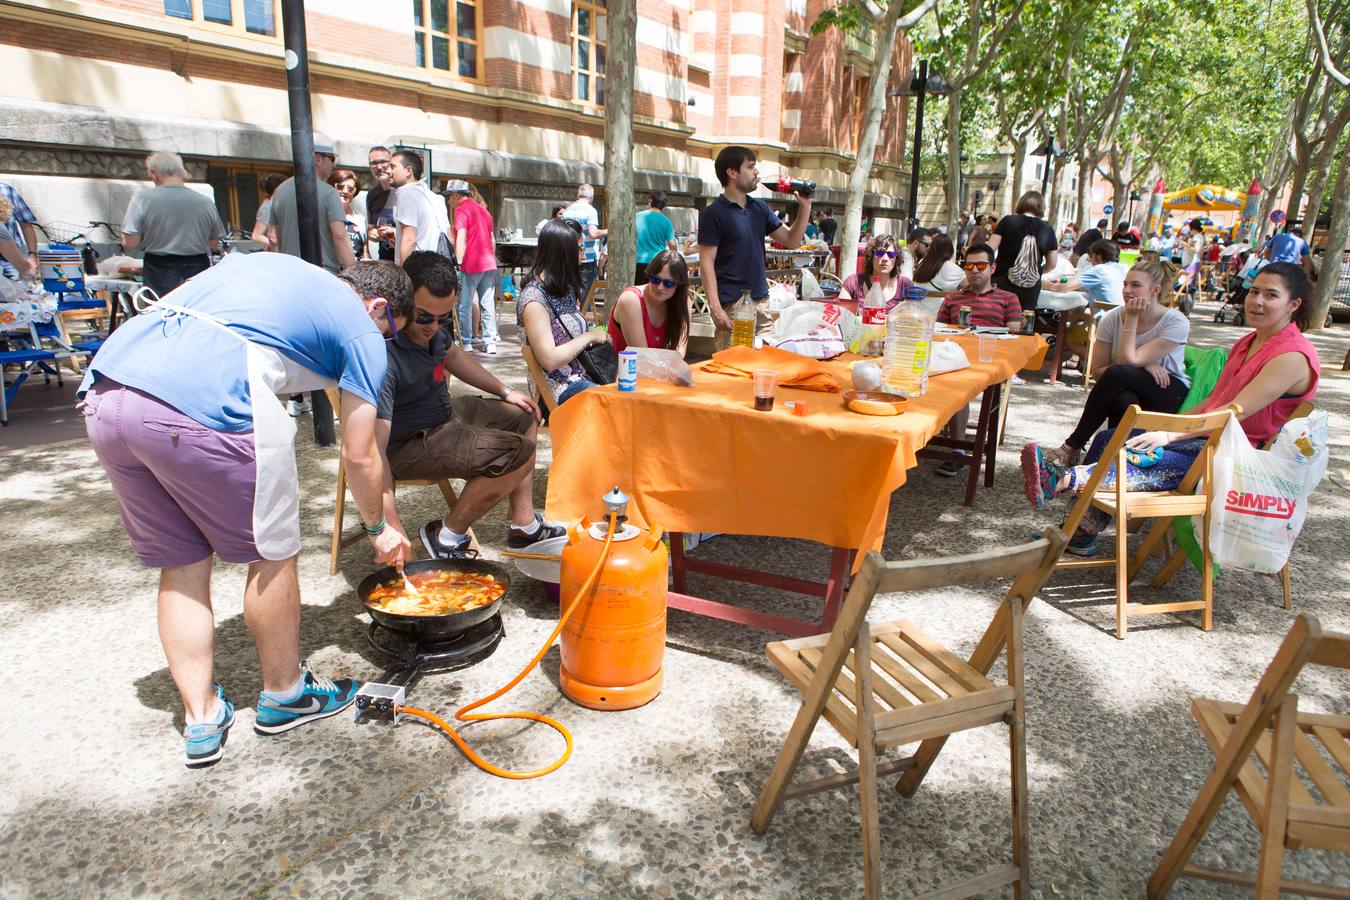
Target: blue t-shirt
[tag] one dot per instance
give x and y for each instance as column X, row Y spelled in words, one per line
column 1103, row 283
column 272, row 299
column 1286, row 247
column 584, row 214
column 738, row 234
column 653, row 231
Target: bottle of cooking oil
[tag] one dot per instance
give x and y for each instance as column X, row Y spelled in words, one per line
column 743, row 322
column 909, row 340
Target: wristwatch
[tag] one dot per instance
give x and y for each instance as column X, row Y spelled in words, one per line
column 506, row 391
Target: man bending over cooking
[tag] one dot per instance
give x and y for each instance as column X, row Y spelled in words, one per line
column 181, row 407
column 488, row 441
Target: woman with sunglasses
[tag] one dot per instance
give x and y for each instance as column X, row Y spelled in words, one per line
column 548, row 310
column 937, row 271
column 879, row 268
column 655, row 314
column 345, row 182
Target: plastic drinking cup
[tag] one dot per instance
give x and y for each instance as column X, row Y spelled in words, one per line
column 765, row 382
column 987, row 342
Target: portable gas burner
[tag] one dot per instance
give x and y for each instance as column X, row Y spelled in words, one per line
column 414, row 657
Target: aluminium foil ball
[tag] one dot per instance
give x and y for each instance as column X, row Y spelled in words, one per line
column 867, row 376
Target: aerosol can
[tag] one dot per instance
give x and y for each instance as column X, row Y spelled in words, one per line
column 613, row 646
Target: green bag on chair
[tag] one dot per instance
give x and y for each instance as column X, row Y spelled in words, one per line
column 1203, row 365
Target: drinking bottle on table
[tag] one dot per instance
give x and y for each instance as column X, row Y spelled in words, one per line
column 786, row 185
column 909, row 338
column 743, row 322
column 628, row 364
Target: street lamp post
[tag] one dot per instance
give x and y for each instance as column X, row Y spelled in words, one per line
column 920, row 83
column 1048, row 149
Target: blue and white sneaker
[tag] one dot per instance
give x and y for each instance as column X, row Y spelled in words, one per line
column 319, row 699
column 205, row 742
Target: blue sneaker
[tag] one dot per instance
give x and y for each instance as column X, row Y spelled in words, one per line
column 319, row 699
column 205, row 742
column 1082, row 545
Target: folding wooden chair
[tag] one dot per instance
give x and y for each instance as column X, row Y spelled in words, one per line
column 589, row 308
column 538, row 380
column 1097, row 306
column 1279, row 801
column 341, row 540
column 1177, row 558
column 1190, row 498
column 891, row 684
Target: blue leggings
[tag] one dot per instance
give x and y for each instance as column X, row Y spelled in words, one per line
column 1164, row 475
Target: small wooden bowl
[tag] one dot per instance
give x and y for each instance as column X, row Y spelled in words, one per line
column 875, row 403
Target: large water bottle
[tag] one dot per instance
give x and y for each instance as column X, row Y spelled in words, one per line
column 909, row 341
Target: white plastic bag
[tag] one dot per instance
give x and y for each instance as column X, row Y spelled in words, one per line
column 663, row 365
column 1260, row 496
column 948, row 356
column 809, row 329
column 810, row 286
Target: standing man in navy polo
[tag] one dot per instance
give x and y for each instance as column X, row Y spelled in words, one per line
column 731, row 232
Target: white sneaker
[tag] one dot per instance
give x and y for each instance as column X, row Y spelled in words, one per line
column 298, row 408
column 490, row 348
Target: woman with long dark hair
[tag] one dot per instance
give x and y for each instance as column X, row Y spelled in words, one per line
column 881, row 261
column 655, row 314
column 549, row 312
column 938, row 271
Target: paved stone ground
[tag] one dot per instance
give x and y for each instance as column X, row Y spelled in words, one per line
column 94, row 800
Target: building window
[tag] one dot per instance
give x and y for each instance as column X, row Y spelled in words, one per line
column 441, row 44
column 238, row 193
column 251, row 16
column 590, row 41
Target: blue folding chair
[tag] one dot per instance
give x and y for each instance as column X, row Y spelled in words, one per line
column 29, row 360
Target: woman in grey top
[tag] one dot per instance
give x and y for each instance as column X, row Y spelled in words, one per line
column 1138, row 358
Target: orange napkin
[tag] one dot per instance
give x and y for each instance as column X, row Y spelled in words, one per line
column 794, row 370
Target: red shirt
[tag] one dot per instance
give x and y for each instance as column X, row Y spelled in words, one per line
column 656, row 334
column 994, row 308
column 477, row 224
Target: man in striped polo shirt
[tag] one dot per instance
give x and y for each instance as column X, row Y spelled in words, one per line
column 989, row 306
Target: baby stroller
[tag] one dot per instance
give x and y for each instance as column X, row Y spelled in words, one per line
column 1234, row 296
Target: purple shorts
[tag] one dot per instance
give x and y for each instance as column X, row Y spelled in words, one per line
column 184, row 490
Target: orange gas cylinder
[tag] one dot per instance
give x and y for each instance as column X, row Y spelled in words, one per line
column 614, row 644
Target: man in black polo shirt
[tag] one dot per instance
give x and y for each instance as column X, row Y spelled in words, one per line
column 731, row 232
column 488, row 441
column 1090, row 237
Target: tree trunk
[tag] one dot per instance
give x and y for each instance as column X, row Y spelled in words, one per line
column 1018, row 165
column 867, row 143
column 1052, row 202
column 619, row 205
column 1336, row 237
column 1322, row 163
column 1086, row 164
column 953, row 188
column 1273, row 179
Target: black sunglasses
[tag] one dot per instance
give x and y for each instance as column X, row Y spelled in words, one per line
column 665, row 282
column 425, row 318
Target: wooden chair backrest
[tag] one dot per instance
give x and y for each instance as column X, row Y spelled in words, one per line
column 540, row 380
column 588, row 302
column 1030, row 564
column 1306, row 643
column 1302, row 411
column 1212, row 423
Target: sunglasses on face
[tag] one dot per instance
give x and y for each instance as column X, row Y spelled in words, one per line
column 976, row 266
column 426, row 318
column 664, row 282
column 885, row 254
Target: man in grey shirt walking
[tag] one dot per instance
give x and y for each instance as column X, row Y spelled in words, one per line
column 175, row 226
column 285, row 228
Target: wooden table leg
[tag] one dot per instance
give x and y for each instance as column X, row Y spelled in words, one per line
column 836, row 585
column 979, row 450
column 677, row 560
column 995, row 437
column 1057, row 362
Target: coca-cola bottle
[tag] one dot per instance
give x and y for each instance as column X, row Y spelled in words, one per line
column 786, row 185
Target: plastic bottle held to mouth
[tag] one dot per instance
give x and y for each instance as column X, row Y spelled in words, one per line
column 786, row 185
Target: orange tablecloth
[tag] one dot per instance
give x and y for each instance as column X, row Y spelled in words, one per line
column 702, row 458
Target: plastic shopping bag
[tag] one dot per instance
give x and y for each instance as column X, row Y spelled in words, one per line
column 1261, row 496
column 663, row 365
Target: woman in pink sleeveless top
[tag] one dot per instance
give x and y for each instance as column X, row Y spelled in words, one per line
column 1268, row 374
column 655, row 314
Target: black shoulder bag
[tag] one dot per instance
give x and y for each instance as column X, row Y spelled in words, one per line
column 600, row 362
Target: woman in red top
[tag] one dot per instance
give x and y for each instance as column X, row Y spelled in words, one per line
column 1268, row 374
column 655, row 314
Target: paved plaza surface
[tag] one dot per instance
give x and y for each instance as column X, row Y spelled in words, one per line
column 94, row 800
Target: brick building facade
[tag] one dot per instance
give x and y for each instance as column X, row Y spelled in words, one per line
column 506, row 93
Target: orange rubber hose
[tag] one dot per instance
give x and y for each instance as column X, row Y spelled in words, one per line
column 465, row 713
